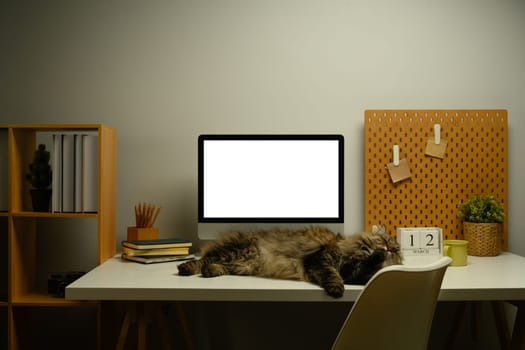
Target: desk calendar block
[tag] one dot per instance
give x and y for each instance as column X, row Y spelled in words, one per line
column 420, row 241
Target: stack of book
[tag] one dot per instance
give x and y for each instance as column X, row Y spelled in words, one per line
column 75, row 171
column 156, row 250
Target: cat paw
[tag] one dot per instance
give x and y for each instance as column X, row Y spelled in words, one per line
column 213, row 270
column 335, row 290
column 187, row 268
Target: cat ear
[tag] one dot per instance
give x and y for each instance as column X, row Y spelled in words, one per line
column 378, row 229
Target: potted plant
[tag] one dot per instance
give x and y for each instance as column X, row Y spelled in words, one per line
column 40, row 178
column 482, row 218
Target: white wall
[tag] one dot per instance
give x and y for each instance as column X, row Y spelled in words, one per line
column 162, row 72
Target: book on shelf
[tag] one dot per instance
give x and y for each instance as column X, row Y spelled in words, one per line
column 156, row 251
column 157, row 258
column 56, row 182
column 157, row 243
column 90, row 173
column 77, row 207
column 75, row 171
column 68, row 172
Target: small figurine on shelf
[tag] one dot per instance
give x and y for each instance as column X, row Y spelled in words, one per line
column 40, row 177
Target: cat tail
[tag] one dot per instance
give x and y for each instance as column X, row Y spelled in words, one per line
column 192, row 267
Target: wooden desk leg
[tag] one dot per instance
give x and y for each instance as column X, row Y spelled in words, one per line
column 135, row 313
column 143, row 313
column 517, row 342
column 142, row 326
column 164, row 329
column 475, row 314
column 501, row 323
column 518, row 333
column 459, row 320
column 129, row 316
column 185, row 327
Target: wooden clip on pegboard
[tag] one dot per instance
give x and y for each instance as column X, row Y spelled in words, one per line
column 475, row 163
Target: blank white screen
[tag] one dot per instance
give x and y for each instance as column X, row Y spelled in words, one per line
column 271, row 179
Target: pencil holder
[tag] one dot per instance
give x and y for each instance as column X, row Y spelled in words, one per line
column 142, row 233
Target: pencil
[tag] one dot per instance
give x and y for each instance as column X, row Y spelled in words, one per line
column 152, row 221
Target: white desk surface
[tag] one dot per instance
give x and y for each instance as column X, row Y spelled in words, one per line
column 484, row 278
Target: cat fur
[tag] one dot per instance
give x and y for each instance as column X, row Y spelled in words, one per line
column 313, row 254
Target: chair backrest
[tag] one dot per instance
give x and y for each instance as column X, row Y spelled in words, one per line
column 395, row 309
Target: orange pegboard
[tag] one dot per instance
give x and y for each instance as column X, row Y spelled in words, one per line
column 475, row 163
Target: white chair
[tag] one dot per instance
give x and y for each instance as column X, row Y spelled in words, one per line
column 395, row 309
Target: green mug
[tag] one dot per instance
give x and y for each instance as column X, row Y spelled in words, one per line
column 457, row 250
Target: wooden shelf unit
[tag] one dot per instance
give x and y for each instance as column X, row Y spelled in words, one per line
column 20, row 294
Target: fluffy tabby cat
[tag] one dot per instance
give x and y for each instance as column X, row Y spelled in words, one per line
column 314, row 254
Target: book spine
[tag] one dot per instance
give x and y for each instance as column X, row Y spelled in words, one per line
column 68, row 173
column 90, row 173
column 153, row 252
column 78, row 174
column 56, row 195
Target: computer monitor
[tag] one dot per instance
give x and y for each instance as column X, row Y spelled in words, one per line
column 261, row 182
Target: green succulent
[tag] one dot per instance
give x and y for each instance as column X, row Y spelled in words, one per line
column 481, row 209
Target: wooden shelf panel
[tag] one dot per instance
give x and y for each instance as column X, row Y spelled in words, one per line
column 3, row 259
column 34, row 214
column 41, row 299
column 51, row 127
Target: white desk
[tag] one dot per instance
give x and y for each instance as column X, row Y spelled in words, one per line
column 484, row 278
column 500, row 278
column 117, row 279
